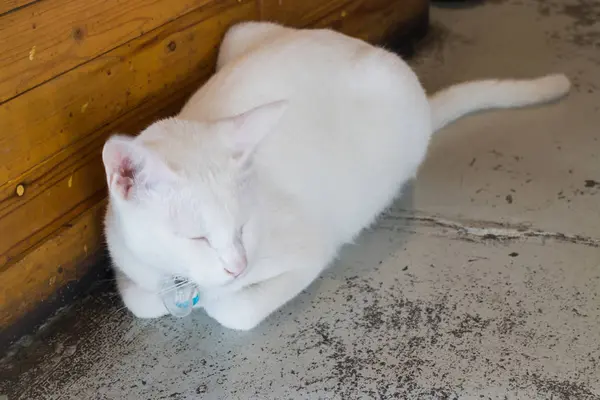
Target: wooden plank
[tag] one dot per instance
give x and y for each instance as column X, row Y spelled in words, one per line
column 52, row 36
column 369, row 20
column 170, row 63
column 50, row 210
column 373, row 20
column 300, row 13
column 50, row 266
column 9, row 5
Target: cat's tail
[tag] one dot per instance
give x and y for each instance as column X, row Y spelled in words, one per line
column 458, row 100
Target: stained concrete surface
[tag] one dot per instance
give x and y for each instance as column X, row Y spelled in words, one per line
column 481, row 282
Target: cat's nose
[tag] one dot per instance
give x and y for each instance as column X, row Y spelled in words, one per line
column 237, row 267
column 234, row 260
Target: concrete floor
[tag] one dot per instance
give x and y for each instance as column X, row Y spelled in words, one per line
column 481, row 282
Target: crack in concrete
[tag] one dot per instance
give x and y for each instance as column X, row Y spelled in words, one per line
column 490, row 230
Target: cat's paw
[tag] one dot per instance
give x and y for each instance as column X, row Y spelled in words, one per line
column 141, row 303
column 234, row 313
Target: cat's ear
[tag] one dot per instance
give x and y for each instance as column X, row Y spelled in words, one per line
column 247, row 130
column 132, row 168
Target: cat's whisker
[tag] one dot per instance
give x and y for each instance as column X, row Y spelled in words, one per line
column 118, row 310
column 176, row 286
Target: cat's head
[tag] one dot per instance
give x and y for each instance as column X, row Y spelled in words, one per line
column 177, row 192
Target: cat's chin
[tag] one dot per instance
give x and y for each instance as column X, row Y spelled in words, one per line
column 213, row 286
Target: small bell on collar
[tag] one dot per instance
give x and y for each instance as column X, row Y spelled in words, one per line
column 179, row 295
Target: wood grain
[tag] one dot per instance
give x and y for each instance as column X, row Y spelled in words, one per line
column 299, row 13
column 373, row 20
column 51, row 265
column 50, row 37
column 9, row 5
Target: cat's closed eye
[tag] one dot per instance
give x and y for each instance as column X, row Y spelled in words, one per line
column 201, row 238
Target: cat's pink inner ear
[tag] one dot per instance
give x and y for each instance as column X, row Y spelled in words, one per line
column 131, row 165
column 251, row 127
column 119, row 165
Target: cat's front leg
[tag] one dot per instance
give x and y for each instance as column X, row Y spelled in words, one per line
column 141, row 302
column 245, row 309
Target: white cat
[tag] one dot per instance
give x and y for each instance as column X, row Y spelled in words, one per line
column 298, row 142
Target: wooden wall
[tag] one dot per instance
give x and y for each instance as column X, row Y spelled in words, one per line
column 74, row 71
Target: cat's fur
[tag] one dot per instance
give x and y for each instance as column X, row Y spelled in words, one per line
column 298, row 142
